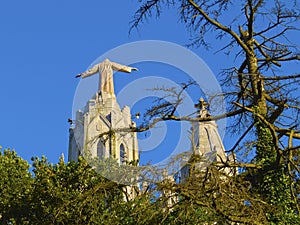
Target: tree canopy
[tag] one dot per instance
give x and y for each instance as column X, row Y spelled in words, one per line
column 260, row 85
column 74, row 193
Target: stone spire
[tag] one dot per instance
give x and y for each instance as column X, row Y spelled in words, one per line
column 206, row 141
column 206, row 138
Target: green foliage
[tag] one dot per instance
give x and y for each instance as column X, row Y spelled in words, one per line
column 15, row 186
column 74, row 193
column 271, row 182
column 265, row 149
column 71, row 193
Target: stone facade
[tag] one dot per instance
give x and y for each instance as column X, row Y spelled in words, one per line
column 102, row 130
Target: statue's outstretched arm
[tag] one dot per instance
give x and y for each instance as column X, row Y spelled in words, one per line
column 89, row 72
column 122, row 68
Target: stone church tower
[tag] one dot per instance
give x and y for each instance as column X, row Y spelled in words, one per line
column 206, row 138
column 102, row 128
column 206, row 143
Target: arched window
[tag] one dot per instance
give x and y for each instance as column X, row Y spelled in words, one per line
column 101, row 149
column 123, row 155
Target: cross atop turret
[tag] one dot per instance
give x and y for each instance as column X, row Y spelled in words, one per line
column 202, row 108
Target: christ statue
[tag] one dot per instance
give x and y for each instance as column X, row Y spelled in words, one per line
column 106, row 70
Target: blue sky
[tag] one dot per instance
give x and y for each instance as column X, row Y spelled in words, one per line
column 44, row 44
